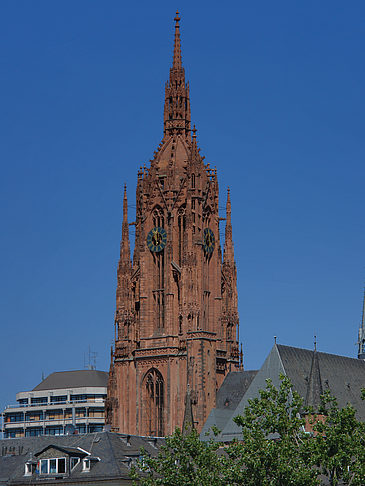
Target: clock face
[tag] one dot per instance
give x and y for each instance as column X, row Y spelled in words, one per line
column 208, row 241
column 156, row 239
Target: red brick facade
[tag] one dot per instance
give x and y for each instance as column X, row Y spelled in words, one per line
column 176, row 318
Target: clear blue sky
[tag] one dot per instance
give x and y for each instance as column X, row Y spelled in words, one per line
column 277, row 93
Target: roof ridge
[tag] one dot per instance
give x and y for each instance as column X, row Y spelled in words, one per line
column 321, row 352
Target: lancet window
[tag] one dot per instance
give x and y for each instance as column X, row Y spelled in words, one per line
column 159, row 277
column 153, row 403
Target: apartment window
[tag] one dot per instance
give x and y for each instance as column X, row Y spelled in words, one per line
column 14, row 417
column 96, row 428
column 86, row 465
column 23, row 402
column 35, row 416
column 96, row 412
column 12, row 434
column 33, row 432
column 54, row 415
column 54, row 430
column 80, row 412
column 68, row 413
column 53, row 466
column 78, row 398
column 59, row 399
column 39, row 401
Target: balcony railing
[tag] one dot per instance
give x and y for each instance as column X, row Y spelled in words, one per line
column 48, row 404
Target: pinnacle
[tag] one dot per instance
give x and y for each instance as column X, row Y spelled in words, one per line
column 177, row 103
column 176, row 64
column 124, row 247
column 228, row 254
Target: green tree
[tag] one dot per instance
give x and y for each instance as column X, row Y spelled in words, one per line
column 273, row 449
column 338, row 448
column 183, row 460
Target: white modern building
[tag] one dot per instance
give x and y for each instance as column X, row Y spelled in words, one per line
column 65, row 402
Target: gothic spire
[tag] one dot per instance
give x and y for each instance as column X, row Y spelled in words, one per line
column 177, row 103
column 176, row 63
column 125, row 257
column 361, row 342
column 228, row 255
column 314, row 388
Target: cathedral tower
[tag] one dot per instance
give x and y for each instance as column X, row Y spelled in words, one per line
column 176, row 321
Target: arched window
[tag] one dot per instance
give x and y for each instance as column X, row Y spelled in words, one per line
column 153, row 403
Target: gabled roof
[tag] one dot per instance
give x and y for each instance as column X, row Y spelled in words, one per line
column 113, row 452
column 73, row 379
column 344, row 377
column 71, row 451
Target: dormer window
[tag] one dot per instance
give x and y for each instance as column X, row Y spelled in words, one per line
column 74, row 462
column 56, row 465
column 30, row 467
column 86, row 465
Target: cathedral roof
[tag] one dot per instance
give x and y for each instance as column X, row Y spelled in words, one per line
column 229, row 396
column 308, row 371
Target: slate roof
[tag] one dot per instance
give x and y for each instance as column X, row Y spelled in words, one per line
column 343, row 376
column 233, row 388
column 116, row 453
column 73, row 379
column 229, row 396
column 308, row 372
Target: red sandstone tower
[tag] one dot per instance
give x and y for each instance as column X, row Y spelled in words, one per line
column 176, row 321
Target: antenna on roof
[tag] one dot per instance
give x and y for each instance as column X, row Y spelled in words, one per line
column 90, row 360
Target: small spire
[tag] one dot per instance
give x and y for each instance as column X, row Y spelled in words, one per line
column 188, row 422
column 241, row 358
column 315, row 343
column 125, row 257
column 275, row 340
column 194, row 130
column 314, row 389
column 228, row 254
column 176, row 64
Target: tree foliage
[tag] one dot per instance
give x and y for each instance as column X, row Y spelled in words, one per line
column 183, row 460
column 338, row 448
column 275, row 449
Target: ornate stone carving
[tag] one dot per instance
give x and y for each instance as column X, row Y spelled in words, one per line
column 176, row 310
